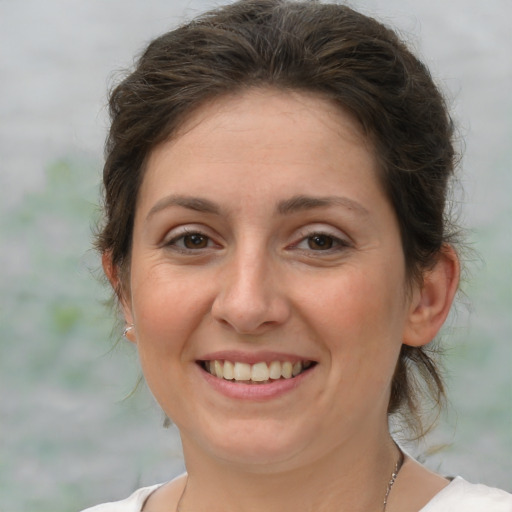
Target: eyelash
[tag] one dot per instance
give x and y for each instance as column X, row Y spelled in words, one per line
column 336, row 243
column 173, row 243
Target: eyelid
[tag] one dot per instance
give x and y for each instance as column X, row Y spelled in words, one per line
column 342, row 240
column 175, row 234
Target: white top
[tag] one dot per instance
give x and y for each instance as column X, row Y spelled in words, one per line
column 461, row 496
column 458, row 496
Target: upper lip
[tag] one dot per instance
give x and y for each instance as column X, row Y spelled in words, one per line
column 253, row 357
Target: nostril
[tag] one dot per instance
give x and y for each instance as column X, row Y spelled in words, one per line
column 253, row 318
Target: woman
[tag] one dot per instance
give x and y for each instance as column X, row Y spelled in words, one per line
column 276, row 235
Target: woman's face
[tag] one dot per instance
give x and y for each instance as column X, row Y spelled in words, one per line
column 264, row 244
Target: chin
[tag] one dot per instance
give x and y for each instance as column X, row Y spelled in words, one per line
column 256, row 445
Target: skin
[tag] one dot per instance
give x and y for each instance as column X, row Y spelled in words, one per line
column 259, row 282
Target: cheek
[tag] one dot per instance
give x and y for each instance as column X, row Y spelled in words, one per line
column 167, row 310
column 167, row 307
column 361, row 322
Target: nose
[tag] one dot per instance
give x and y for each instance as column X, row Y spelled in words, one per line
column 250, row 297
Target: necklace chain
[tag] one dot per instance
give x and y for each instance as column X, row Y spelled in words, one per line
column 398, row 465
column 391, row 482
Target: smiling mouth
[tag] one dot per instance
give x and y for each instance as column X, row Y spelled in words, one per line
column 258, row 373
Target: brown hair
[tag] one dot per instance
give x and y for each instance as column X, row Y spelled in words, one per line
column 327, row 49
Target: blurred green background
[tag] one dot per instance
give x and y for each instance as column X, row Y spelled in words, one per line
column 70, row 434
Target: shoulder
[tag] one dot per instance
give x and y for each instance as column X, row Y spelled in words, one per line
column 462, row 496
column 133, row 503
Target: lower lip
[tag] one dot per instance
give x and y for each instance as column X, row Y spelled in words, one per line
column 255, row 392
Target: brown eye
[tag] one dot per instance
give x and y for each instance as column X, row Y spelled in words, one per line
column 195, row 241
column 320, row 242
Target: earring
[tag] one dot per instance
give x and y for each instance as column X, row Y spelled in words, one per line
column 127, row 330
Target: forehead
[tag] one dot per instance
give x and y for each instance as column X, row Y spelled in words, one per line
column 238, row 111
column 291, row 99
column 261, row 140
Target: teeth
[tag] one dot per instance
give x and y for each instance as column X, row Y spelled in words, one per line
column 286, row 370
column 217, row 369
column 296, row 369
column 259, row 372
column 275, row 370
column 242, row 371
column 229, row 373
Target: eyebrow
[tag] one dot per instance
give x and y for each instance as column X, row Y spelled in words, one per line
column 289, row 206
column 302, row 202
column 197, row 204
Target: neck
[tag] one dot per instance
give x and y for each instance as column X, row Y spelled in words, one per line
column 352, row 478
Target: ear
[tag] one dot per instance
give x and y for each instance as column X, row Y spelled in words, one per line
column 112, row 273
column 432, row 299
